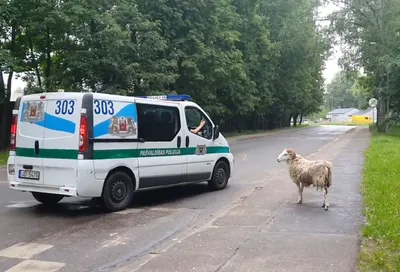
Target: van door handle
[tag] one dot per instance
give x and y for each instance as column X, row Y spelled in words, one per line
column 36, row 147
column 187, row 141
column 179, row 142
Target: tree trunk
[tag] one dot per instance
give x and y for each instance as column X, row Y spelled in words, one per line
column 295, row 120
column 48, row 59
column 2, row 87
column 301, row 118
column 34, row 62
column 3, row 123
column 5, row 115
column 381, row 107
column 380, row 116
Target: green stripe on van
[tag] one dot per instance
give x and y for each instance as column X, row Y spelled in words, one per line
column 47, row 153
column 153, row 152
column 117, row 153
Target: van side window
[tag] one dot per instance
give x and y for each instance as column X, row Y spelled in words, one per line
column 193, row 120
column 157, row 123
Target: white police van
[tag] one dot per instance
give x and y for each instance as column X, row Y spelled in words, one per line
column 108, row 146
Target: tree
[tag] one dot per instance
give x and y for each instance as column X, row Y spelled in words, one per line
column 251, row 64
column 369, row 30
column 10, row 61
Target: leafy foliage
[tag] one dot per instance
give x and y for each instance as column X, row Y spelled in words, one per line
column 252, row 64
column 348, row 90
column 370, row 31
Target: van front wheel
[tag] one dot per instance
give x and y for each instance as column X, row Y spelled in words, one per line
column 117, row 192
column 220, row 176
column 47, row 199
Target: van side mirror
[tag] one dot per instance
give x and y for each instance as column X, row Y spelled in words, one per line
column 216, row 132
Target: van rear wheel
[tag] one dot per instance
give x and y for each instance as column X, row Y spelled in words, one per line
column 220, row 176
column 47, row 199
column 117, row 192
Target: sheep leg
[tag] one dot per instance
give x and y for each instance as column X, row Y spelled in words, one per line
column 300, row 187
column 326, row 203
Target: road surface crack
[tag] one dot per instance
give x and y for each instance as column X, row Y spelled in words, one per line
column 259, row 229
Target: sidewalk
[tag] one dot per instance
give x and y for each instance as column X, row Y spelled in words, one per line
column 269, row 232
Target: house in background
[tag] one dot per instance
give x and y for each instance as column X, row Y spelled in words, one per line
column 341, row 115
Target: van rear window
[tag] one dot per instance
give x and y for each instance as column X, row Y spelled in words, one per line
column 158, row 123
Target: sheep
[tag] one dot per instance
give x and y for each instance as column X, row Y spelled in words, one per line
column 305, row 173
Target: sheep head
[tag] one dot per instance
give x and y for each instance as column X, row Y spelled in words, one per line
column 286, row 155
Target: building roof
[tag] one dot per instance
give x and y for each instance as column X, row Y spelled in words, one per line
column 361, row 112
column 341, row 111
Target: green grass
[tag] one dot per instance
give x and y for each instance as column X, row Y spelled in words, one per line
column 3, row 157
column 381, row 189
column 252, row 132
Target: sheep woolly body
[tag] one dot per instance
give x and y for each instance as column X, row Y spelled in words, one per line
column 317, row 173
column 305, row 173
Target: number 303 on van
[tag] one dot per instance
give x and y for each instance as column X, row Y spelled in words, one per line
column 108, row 146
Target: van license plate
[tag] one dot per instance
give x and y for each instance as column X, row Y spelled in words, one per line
column 28, row 174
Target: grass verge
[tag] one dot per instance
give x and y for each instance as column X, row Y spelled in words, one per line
column 252, row 132
column 381, row 190
column 3, row 157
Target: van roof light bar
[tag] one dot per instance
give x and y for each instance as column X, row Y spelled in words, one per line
column 170, row 97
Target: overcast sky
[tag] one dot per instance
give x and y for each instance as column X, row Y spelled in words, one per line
column 331, row 66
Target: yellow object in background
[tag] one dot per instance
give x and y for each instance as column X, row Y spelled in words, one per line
column 361, row 119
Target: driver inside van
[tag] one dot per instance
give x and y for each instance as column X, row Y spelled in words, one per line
column 200, row 127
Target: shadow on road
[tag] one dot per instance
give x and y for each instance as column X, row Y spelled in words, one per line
column 149, row 199
column 73, row 208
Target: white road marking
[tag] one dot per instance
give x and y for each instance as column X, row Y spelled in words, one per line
column 116, row 241
column 22, row 204
column 129, row 211
column 24, row 250
column 244, row 157
column 164, row 209
column 36, row 266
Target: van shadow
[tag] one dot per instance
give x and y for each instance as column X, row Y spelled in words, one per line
column 72, row 208
column 157, row 197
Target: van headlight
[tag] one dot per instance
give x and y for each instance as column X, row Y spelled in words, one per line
column 11, row 169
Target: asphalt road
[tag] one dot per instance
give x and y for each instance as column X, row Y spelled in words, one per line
column 76, row 236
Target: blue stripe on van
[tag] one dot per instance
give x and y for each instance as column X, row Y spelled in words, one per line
column 102, row 128
column 52, row 122
column 57, row 123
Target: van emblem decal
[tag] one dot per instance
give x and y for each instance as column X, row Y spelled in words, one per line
column 122, row 123
column 201, row 149
column 34, row 112
column 122, row 126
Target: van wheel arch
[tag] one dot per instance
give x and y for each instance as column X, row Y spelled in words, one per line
column 221, row 169
column 225, row 160
column 124, row 169
column 124, row 180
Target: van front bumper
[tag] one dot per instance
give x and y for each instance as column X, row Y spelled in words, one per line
column 231, row 165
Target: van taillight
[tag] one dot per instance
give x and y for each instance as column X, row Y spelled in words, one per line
column 83, row 135
column 13, row 136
